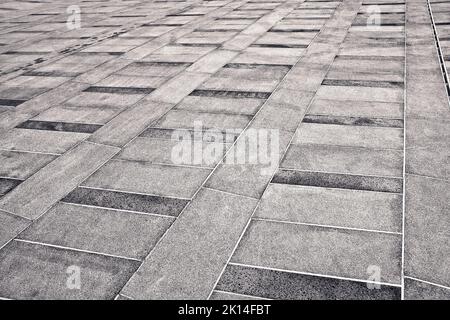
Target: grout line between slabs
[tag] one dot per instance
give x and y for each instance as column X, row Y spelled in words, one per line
column 75, row 249
column 325, row 226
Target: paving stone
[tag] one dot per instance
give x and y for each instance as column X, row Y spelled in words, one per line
column 35, row 196
column 355, row 136
column 418, row 290
column 356, row 108
column 30, row 271
column 21, row 165
column 314, row 249
column 55, row 142
column 340, row 181
column 426, row 222
column 334, row 207
column 188, row 119
column 291, row 286
column 10, row 226
column 344, row 160
column 112, row 232
column 133, row 176
column 394, row 95
column 174, row 152
column 194, row 250
column 245, row 106
column 130, row 123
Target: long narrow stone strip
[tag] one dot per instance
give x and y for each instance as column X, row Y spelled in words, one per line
column 427, row 181
column 190, row 257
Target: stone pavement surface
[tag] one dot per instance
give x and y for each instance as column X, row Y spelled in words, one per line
column 352, row 93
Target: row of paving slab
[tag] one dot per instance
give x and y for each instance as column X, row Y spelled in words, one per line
column 315, row 155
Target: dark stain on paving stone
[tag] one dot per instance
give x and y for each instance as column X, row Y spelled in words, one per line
column 236, row 18
column 354, row 121
column 93, row 53
column 386, row 58
column 7, row 184
column 294, row 30
column 271, row 45
column 341, row 181
column 386, row 24
column 230, row 94
column 257, row 65
column 292, row 286
column 11, row 102
column 186, row 15
column 51, row 74
column 119, row 90
column 59, row 126
column 215, row 45
column 162, row 63
column 32, row 271
column 111, row 53
column 162, row 25
column 126, row 201
column 362, row 83
column 173, row 134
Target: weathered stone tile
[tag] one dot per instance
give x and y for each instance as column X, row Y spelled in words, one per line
column 130, row 123
column 40, row 141
column 293, row 286
column 426, row 229
column 118, row 90
column 103, row 99
column 174, row 90
column 187, row 152
column 30, row 271
column 427, row 147
column 189, row 119
column 132, row 176
column 207, row 135
column 418, row 290
column 94, row 114
column 21, row 165
column 39, row 192
column 188, row 260
column 356, row 108
column 340, row 181
column 239, row 84
column 355, row 136
column 249, row 165
column 117, row 80
column 334, row 207
column 245, row 106
column 59, row 126
column 354, row 121
column 394, row 95
column 340, row 159
column 10, row 226
column 427, row 100
column 230, row 94
column 253, row 71
column 112, row 232
column 153, row 69
column 126, row 201
column 315, row 249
